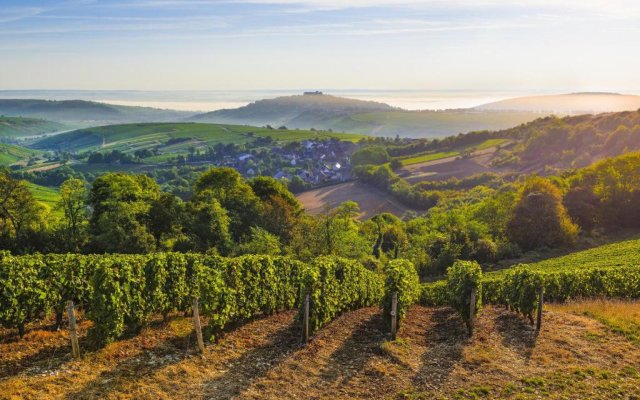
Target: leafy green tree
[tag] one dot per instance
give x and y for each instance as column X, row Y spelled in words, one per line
column 208, row 226
column 370, row 155
column 20, row 213
column 234, row 194
column 539, row 218
column 280, row 209
column 260, row 242
column 73, row 197
column 166, row 219
column 121, row 204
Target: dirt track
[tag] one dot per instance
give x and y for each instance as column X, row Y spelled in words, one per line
column 573, row 357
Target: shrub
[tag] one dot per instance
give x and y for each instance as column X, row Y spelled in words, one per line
column 462, row 278
column 336, row 285
column 23, row 295
column 520, row 288
column 434, row 294
column 401, row 278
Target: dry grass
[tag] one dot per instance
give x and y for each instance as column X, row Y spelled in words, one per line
column 621, row 316
column 572, row 357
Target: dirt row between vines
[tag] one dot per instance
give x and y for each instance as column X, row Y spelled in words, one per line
column 572, row 357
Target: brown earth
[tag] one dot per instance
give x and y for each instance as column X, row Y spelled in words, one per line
column 450, row 167
column 573, row 357
column 372, row 201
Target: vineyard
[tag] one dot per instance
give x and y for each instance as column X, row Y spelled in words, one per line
column 120, row 294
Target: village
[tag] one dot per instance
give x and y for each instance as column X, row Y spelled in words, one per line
column 309, row 163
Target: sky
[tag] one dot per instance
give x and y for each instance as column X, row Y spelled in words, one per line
column 577, row 45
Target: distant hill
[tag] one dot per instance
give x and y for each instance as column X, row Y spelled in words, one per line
column 170, row 137
column 11, row 153
column 573, row 103
column 82, row 112
column 306, row 111
column 323, row 111
column 18, row 127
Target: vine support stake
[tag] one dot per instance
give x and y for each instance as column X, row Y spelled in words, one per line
column 75, row 346
column 305, row 320
column 196, row 325
column 540, row 304
column 394, row 315
column 472, row 310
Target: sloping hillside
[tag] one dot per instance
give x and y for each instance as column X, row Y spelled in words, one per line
column 619, row 254
column 372, row 118
column 572, row 142
column 296, row 111
column 86, row 112
column 572, row 357
column 572, row 103
column 171, row 137
column 17, row 127
column 11, row 153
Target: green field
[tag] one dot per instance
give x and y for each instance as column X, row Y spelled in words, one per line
column 131, row 137
column 16, row 127
column 47, row 196
column 10, row 153
column 620, row 254
column 430, row 156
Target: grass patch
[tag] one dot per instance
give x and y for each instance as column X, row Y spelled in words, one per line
column 620, row 254
column 428, row 157
column 622, row 317
column 47, row 196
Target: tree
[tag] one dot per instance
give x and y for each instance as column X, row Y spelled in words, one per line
column 73, row 197
column 370, row 155
column 234, row 194
column 165, row 219
column 121, row 204
column 280, row 209
column 260, row 242
column 19, row 210
column 539, row 218
column 207, row 224
column 582, row 205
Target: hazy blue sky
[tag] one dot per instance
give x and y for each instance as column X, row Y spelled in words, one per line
column 249, row 44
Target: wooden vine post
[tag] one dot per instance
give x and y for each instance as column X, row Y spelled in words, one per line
column 394, row 315
column 73, row 332
column 197, row 326
column 472, row 310
column 540, row 304
column 305, row 320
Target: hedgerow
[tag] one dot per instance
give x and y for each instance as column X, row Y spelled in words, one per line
column 402, row 278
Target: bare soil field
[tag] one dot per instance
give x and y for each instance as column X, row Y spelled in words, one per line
column 450, row 167
column 372, row 201
column 573, row 357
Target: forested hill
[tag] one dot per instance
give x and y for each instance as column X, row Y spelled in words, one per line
column 16, row 127
column 86, row 112
column 572, row 142
column 306, row 110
